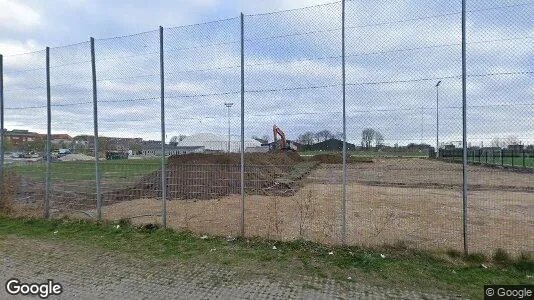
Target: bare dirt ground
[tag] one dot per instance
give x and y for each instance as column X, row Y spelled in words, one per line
column 415, row 201
column 436, row 174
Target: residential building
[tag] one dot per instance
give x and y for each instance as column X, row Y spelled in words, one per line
column 17, row 137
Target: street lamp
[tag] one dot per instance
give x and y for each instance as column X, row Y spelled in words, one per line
column 437, row 119
column 228, row 105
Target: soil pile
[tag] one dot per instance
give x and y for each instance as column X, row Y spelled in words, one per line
column 76, row 157
column 207, row 176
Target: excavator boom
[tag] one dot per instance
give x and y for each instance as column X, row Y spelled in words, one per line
column 284, row 145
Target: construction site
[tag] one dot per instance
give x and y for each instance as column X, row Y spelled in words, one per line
column 237, row 127
column 390, row 200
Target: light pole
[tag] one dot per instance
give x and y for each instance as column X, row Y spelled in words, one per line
column 228, row 105
column 437, row 119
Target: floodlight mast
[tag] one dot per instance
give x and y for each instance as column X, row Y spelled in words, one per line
column 437, row 118
column 228, row 105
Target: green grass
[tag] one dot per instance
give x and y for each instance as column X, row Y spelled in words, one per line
column 516, row 161
column 401, row 268
column 81, row 171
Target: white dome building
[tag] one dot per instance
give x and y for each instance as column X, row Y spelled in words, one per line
column 213, row 142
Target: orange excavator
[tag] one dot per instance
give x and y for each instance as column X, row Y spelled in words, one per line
column 283, row 144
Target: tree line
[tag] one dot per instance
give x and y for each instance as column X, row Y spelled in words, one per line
column 370, row 137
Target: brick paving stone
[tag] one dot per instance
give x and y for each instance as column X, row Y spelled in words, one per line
column 87, row 273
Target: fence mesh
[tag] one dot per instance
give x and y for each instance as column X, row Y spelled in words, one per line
column 72, row 180
column 25, row 109
column 500, row 77
column 403, row 63
column 293, row 81
column 395, row 58
column 128, row 83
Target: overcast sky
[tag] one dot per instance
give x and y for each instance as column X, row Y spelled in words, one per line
column 396, row 52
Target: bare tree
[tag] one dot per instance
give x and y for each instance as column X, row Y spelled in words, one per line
column 512, row 140
column 368, row 135
column 307, row 138
column 338, row 135
column 379, row 138
column 324, row 135
column 497, row 142
column 503, row 143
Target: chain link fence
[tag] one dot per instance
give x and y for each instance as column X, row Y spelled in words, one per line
column 239, row 126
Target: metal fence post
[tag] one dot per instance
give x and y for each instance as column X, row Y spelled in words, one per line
column 163, row 169
column 464, row 129
column 502, row 158
column 1, row 130
column 95, row 126
column 242, row 222
column 46, row 213
column 524, row 164
column 343, row 76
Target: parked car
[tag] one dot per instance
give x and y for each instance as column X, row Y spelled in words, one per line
column 17, row 155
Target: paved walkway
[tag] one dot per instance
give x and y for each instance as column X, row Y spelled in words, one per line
column 87, row 273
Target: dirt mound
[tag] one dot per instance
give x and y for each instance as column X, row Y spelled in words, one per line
column 207, row 176
column 251, row 159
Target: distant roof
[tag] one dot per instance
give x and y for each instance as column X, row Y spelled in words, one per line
column 171, row 147
column 210, row 137
column 20, row 133
column 217, row 142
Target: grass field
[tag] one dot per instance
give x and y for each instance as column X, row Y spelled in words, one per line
column 517, row 161
column 85, row 171
column 130, row 168
column 391, row 266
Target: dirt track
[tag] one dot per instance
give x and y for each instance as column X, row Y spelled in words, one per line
column 415, row 201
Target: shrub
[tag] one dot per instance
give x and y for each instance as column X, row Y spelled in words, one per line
column 524, row 262
column 8, row 188
column 501, row 256
column 475, row 257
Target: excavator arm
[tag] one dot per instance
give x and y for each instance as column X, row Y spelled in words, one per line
column 278, row 132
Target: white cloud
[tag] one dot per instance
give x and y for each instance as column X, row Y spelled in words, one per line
column 8, row 47
column 276, row 5
column 282, row 51
column 17, row 15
